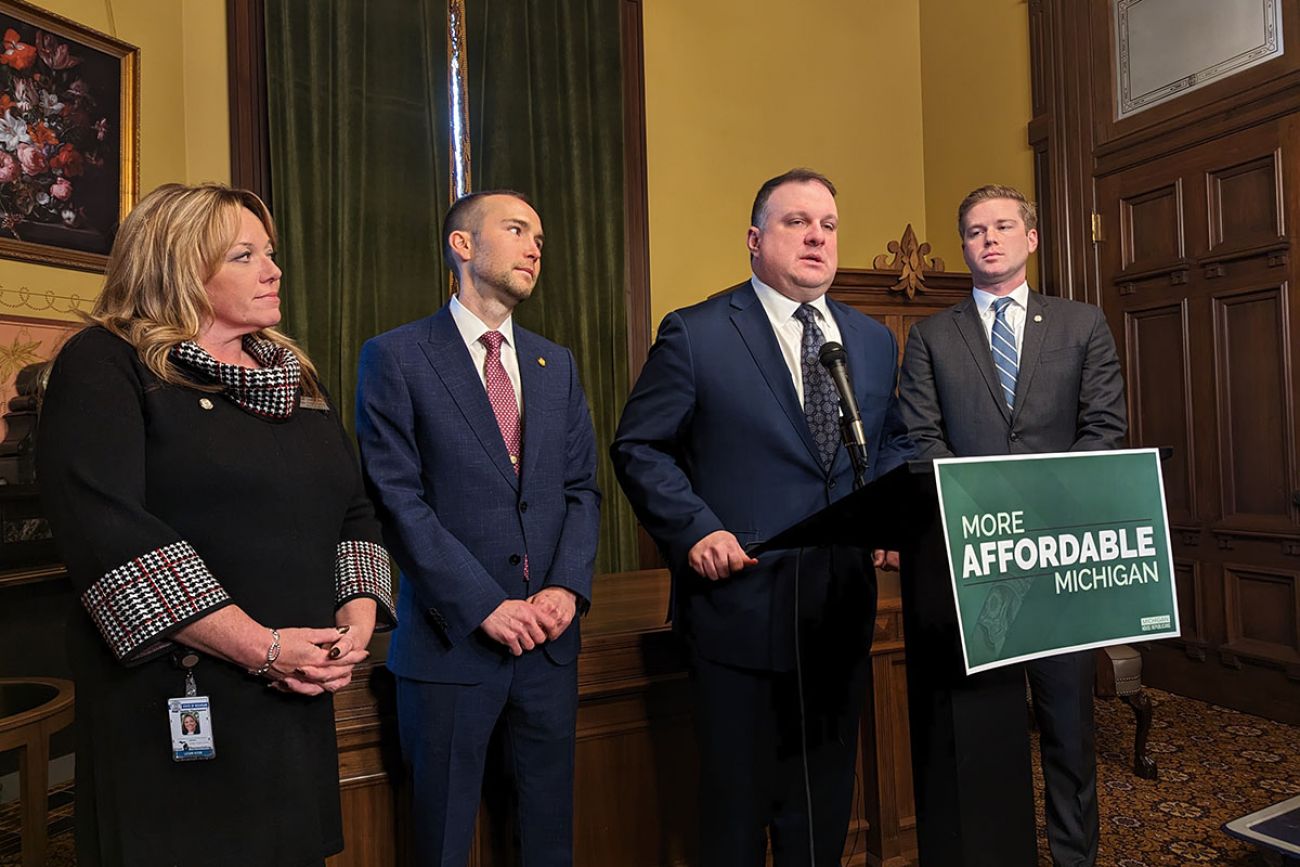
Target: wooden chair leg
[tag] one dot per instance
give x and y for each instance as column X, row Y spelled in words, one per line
column 34, row 769
column 1143, row 765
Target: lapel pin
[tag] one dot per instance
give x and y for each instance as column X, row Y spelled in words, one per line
column 1038, row 317
column 205, row 403
column 541, row 361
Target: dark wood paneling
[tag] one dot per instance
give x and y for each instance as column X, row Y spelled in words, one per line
column 369, row 763
column 1216, row 379
column 1151, row 226
column 1039, row 70
column 250, row 148
column 1190, row 620
column 1254, row 409
column 1263, row 615
column 1160, row 406
column 636, row 207
column 1043, row 193
column 885, row 768
column 1245, row 203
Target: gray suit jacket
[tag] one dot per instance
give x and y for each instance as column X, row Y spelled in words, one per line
column 1069, row 392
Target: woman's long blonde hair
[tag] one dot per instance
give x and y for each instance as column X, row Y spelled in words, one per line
column 166, row 249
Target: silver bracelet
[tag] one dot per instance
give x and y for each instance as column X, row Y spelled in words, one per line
column 272, row 654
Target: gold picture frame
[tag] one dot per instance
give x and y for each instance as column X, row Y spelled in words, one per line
column 69, row 138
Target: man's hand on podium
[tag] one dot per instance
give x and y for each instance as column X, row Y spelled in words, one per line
column 885, row 561
column 717, row 555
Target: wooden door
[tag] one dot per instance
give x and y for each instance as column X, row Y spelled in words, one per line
column 1197, row 276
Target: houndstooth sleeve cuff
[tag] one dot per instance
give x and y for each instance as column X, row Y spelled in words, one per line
column 362, row 569
column 147, row 598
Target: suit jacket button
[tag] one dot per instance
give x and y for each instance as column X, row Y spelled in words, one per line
column 831, row 483
column 514, row 559
column 1015, row 437
column 523, row 507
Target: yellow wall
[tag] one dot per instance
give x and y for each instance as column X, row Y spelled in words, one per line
column 183, row 116
column 881, row 95
column 740, row 90
column 975, row 108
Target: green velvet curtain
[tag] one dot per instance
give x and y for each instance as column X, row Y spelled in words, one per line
column 359, row 142
column 546, row 118
column 356, row 98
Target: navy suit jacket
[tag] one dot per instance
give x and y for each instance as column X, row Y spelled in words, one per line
column 456, row 517
column 714, row 437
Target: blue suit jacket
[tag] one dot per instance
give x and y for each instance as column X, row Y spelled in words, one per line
column 456, row 517
column 714, row 437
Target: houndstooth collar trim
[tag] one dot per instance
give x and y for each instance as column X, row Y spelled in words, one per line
column 270, row 391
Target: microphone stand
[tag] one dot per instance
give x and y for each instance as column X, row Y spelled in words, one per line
column 855, row 443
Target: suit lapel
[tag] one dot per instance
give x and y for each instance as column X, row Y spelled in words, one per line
column 967, row 317
column 751, row 321
column 449, row 358
column 535, row 378
column 1036, row 324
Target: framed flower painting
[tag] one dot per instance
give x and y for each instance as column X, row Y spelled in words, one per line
column 69, row 129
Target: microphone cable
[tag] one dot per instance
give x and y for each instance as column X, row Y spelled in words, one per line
column 803, row 720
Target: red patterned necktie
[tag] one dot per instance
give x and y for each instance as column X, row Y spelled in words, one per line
column 501, row 394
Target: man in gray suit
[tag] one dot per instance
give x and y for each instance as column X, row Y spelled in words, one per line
column 1010, row 371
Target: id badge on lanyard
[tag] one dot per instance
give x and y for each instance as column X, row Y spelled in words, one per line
column 190, row 718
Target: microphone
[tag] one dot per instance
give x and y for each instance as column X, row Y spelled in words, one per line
column 836, row 361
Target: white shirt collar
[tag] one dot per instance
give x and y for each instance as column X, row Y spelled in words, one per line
column 1019, row 295
column 471, row 328
column 780, row 309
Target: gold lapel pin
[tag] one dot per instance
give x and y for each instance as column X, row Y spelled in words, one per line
column 1038, row 317
column 205, row 403
column 541, row 361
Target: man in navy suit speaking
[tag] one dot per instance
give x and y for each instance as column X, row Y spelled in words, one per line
column 730, row 435
column 478, row 452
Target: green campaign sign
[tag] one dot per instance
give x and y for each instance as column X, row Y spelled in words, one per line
column 1058, row 552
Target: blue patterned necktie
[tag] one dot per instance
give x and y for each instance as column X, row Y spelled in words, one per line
column 821, row 405
column 1005, row 356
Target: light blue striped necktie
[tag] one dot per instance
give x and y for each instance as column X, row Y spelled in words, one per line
column 1005, row 356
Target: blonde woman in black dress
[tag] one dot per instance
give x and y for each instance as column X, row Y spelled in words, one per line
column 208, row 506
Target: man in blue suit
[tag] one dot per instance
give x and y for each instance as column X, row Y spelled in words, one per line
column 730, row 435
column 479, row 454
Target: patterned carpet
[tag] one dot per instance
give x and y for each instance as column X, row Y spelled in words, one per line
column 1215, row 764
column 60, row 853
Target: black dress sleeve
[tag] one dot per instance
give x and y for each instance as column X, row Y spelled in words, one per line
column 138, row 579
column 362, row 566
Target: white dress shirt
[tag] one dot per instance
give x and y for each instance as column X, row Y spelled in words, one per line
column 1015, row 312
column 789, row 330
column 471, row 328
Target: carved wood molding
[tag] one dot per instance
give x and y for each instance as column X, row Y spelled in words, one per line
column 910, row 262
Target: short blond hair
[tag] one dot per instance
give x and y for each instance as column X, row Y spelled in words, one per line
column 169, row 246
column 1028, row 211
